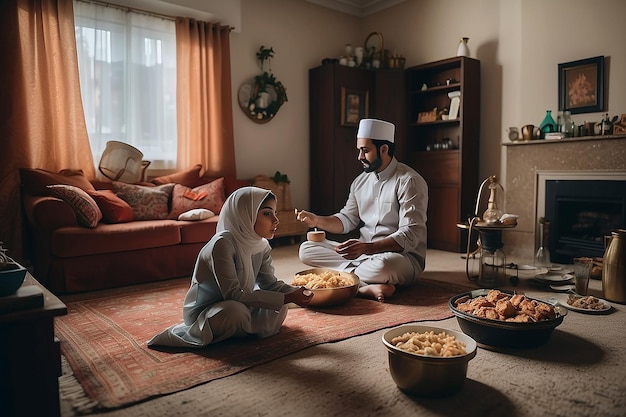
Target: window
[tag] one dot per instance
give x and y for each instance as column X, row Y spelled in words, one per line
column 127, row 65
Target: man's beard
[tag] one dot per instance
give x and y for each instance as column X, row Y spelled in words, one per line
column 374, row 165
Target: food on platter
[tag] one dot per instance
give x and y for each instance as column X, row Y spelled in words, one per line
column 497, row 305
column 588, row 302
column 326, row 279
column 429, row 344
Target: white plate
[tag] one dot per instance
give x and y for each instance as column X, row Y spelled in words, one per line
column 562, row 287
column 527, row 268
column 552, row 277
column 562, row 299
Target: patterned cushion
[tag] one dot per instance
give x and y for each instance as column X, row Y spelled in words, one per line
column 148, row 203
column 86, row 209
column 208, row 196
column 114, row 209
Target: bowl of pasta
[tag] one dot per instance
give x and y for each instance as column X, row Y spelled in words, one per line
column 428, row 361
column 498, row 319
column 329, row 287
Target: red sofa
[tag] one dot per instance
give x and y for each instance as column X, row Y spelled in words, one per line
column 77, row 247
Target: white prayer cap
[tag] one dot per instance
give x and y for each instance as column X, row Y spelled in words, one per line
column 376, row 129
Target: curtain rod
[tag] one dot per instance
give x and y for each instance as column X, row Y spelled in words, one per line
column 136, row 10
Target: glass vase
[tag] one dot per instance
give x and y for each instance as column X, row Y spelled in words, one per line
column 542, row 257
column 548, row 125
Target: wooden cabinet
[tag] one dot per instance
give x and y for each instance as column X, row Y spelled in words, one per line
column 333, row 154
column 445, row 152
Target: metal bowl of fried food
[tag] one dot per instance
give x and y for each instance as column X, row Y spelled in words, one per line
column 510, row 333
column 329, row 287
column 428, row 373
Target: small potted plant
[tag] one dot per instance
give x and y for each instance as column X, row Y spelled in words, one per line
column 11, row 273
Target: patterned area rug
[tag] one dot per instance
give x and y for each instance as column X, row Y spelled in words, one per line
column 104, row 337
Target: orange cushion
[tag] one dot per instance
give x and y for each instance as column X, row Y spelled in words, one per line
column 114, row 209
column 35, row 181
column 208, row 196
column 190, row 177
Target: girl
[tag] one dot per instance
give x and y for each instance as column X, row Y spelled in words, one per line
column 234, row 292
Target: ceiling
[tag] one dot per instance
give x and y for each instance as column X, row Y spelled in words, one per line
column 358, row 8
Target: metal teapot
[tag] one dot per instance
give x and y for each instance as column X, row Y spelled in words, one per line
column 614, row 268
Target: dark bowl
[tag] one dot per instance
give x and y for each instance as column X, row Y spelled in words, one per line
column 11, row 279
column 490, row 333
column 323, row 297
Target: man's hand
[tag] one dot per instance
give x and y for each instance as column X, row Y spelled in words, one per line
column 353, row 248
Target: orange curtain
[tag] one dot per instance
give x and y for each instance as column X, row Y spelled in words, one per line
column 204, row 100
column 41, row 114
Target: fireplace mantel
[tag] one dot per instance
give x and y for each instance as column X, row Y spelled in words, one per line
column 564, row 140
column 524, row 162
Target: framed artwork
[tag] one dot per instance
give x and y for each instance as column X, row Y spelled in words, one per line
column 354, row 106
column 581, row 85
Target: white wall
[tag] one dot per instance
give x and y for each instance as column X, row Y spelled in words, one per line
column 519, row 42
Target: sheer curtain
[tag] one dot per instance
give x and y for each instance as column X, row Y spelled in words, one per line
column 41, row 115
column 205, row 115
column 127, row 66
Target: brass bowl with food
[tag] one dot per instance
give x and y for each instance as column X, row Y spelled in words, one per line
column 428, row 361
column 329, row 287
column 499, row 319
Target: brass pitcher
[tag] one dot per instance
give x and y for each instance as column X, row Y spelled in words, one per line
column 614, row 270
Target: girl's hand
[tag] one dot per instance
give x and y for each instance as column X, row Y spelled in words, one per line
column 301, row 297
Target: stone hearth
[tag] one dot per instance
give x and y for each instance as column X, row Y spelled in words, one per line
column 526, row 162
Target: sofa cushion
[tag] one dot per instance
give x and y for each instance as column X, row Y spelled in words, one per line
column 196, row 214
column 208, row 196
column 86, row 209
column 112, row 238
column 35, row 181
column 148, row 203
column 114, row 209
column 189, row 178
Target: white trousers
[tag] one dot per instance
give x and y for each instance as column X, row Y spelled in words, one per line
column 222, row 321
column 400, row 269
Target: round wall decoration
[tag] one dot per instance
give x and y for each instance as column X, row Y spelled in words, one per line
column 261, row 97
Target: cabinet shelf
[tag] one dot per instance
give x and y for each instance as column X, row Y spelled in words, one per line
column 437, row 89
column 451, row 174
column 436, row 122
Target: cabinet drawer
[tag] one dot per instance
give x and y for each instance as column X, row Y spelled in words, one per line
column 438, row 167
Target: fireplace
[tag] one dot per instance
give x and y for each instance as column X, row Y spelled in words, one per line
column 581, row 214
column 530, row 164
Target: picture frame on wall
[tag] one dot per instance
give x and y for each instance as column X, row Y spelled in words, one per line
column 354, row 106
column 581, row 85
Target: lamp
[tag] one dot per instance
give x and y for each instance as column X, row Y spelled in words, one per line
column 122, row 162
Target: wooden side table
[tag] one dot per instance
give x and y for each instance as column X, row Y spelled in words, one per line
column 30, row 358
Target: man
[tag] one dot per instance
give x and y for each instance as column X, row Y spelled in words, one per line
column 389, row 199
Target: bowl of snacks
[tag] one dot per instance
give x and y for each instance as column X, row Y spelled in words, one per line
column 428, row 361
column 499, row 319
column 329, row 287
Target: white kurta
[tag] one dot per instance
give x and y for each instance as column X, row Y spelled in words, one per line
column 392, row 203
column 224, row 302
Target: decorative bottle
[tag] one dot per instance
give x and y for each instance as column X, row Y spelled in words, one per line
column 463, row 49
column 614, row 268
column 548, row 125
column 542, row 257
column 566, row 125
